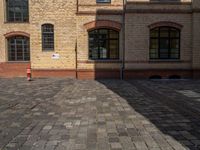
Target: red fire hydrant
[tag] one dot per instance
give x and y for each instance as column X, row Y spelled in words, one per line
column 28, row 72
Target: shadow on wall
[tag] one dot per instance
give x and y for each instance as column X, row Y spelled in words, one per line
column 169, row 116
column 105, row 48
column 165, row 1
column 108, row 67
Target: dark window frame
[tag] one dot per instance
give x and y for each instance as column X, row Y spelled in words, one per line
column 169, row 44
column 104, row 2
column 109, row 39
column 48, row 35
column 23, row 18
column 25, row 44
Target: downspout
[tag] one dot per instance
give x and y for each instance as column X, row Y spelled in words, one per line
column 76, row 46
column 124, row 36
column 76, row 59
column 77, row 6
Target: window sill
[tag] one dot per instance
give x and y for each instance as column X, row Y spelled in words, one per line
column 169, row 2
column 101, row 61
column 7, row 22
column 103, row 4
column 46, row 51
column 164, row 60
column 108, row 2
column 18, row 61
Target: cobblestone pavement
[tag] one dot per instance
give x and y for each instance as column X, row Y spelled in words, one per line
column 67, row 114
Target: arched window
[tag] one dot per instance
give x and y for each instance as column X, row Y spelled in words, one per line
column 18, row 48
column 48, row 37
column 103, row 44
column 164, row 43
column 17, row 10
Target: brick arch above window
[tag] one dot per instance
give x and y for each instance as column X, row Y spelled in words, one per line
column 103, row 24
column 16, row 33
column 165, row 23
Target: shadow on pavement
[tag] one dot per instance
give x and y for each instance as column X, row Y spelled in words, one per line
column 171, row 118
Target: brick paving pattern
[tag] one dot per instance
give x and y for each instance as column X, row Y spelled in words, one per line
column 67, row 114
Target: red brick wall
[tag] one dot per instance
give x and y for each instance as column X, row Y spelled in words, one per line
column 142, row 74
column 14, row 33
column 18, row 69
column 165, row 23
column 98, row 74
column 13, row 69
column 196, row 74
column 136, row 74
column 54, row 73
column 103, row 23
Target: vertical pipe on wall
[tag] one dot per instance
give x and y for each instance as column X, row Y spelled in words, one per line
column 76, row 59
column 76, row 46
column 77, row 7
column 124, row 36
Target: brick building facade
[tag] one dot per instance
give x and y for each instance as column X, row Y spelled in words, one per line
column 100, row 38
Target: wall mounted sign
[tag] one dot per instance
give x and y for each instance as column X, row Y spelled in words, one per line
column 55, row 56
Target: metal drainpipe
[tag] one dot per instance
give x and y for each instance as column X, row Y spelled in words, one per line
column 76, row 58
column 77, row 7
column 123, row 53
column 76, row 46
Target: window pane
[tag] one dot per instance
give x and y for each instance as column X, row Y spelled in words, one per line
column 93, row 46
column 174, row 43
column 48, row 37
column 94, row 53
column 164, row 32
column 103, row 44
column 93, row 32
column 103, row 49
column 154, row 44
column 164, row 44
column 174, row 53
column 17, row 10
column 18, row 49
column 114, row 34
column 48, row 28
column 154, row 48
column 103, row 34
column 164, row 48
column 164, row 54
column 154, row 53
column 114, row 49
column 154, row 32
column 103, row 31
column 174, row 33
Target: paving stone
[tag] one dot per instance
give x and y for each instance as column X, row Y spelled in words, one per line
column 69, row 114
column 40, row 144
column 50, row 147
column 116, row 145
column 47, row 128
column 186, row 142
column 127, row 144
column 196, row 142
column 51, row 113
column 52, row 143
column 11, row 145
